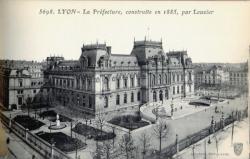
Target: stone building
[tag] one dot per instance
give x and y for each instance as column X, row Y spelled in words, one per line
column 211, row 75
column 238, row 76
column 106, row 82
column 19, row 80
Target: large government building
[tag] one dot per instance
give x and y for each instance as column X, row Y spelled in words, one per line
column 106, row 82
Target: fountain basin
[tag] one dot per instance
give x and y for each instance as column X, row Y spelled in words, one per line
column 57, row 127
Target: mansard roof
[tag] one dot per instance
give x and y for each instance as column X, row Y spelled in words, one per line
column 121, row 59
column 146, row 49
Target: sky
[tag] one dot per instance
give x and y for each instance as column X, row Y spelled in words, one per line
column 223, row 36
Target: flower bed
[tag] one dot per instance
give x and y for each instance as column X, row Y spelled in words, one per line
column 92, row 132
column 28, row 122
column 131, row 122
column 62, row 141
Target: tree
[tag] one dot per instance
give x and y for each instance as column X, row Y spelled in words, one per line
column 35, row 104
column 28, row 104
column 49, row 100
column 127, row 147
column 100, row 120
column 145, row 143
column 217, row 140
column 161, row 129
column 41, row 102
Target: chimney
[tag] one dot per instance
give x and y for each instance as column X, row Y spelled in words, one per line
column 109, row 50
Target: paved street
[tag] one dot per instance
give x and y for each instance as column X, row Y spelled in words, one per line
column 225, row 147
column 192, row 123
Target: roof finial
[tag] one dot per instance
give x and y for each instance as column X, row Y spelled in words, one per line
column 148, row 32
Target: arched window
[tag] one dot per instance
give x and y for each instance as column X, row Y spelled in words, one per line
column 125, row 98
column 173, row 89
column 178, row 90
column 160, row 80
column 154, row 97
column 117, row 99
column 106, row 102
column 105, row 84
column 132, row 97
column 166, row 79
column 153, row 80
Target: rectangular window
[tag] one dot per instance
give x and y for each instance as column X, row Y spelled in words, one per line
column 132, row 97
column 125, row 83
column 117, row 83
column 138, row 96
column 138, row 82
column 173, row 90
column 20, row 100
column 132, row 82
column 117, row 99
column 125, row 98
column 20, row 83
column 34, row 91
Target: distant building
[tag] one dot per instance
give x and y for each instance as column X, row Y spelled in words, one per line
column 102, row 81
column 239, row 76
column 19, row 80
column 214, row 75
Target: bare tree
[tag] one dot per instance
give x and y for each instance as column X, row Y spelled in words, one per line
column 127, row 147
column 49, row 100
column 217, row 140
column 100, row 120
column 161, row 129
column 41, row 102
column 145, row 143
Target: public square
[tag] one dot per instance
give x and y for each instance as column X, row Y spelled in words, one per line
column 185, row 121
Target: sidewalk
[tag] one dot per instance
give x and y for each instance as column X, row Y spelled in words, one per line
column 18, row 149
column 225, row 147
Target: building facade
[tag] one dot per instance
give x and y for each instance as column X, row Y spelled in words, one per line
column 19, row 80
column 102, row 81
column 214, row 75
column 238, row 77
